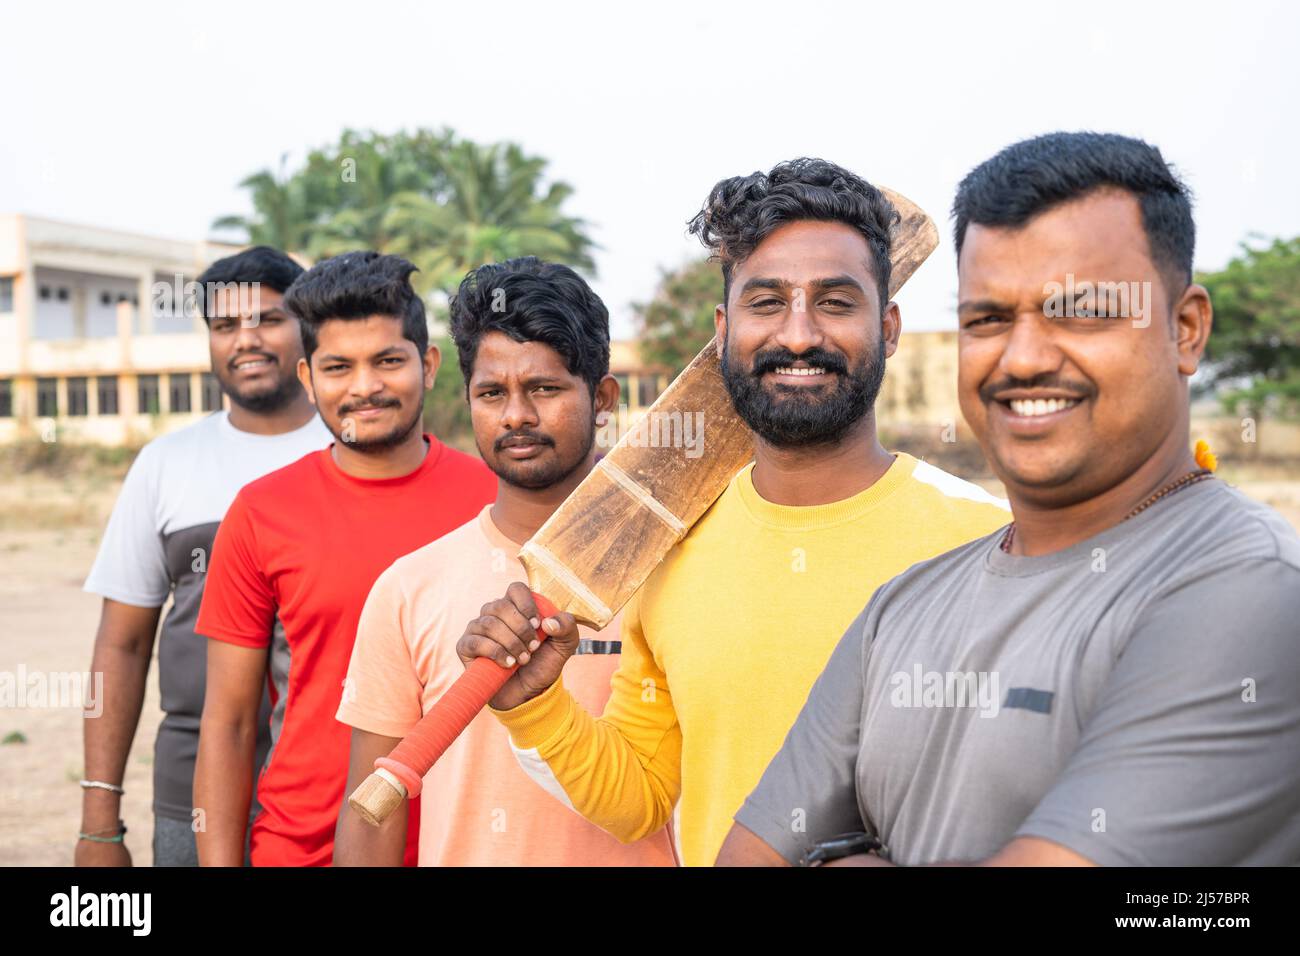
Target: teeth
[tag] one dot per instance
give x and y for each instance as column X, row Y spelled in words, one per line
column 253, row 364
column 800, row 371
column 1029, row 408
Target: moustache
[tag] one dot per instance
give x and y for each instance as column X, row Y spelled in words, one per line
column 990, row 390
column 521, row 438
column 770, row 360
column 374, row 403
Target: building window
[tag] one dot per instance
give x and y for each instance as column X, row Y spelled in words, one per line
column 6, row 294
column 47, row 397
column 6, row 398
column 106, row 386
column 62, row 294
column 211, row 392
column 623, row 391
column 45, row 292
column 147, row 393
column 179, row 389
column 78, row 387
column 647, row 389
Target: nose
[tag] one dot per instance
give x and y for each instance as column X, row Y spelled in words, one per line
column 365, row 381
column 800, row 330
column 1030, row 349
column 519, row 411
column 249, row 338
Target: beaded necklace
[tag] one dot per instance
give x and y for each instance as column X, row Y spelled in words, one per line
column 1179, row 484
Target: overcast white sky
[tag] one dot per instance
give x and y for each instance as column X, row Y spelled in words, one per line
column 145, row 116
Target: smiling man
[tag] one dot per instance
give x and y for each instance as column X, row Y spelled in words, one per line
column 298, row 553
column 158, row 541
column 722, row 642
column 533, row 341
column 1139, row 618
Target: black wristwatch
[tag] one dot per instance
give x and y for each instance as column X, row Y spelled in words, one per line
column 838, row 847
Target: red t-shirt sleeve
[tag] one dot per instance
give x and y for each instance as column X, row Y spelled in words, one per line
column 238, row 601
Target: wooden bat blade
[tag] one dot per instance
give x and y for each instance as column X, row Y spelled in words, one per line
column 667, row 470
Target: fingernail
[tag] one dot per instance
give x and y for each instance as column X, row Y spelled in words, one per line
column 534, row 645
column 534, row 622
column 551, row 624
column 510, row 662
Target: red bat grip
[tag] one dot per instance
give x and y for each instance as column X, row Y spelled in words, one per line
column 420, row 749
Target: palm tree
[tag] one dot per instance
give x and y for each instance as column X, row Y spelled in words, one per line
column 491, row 206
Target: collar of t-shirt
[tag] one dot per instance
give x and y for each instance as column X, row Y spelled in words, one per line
column 229, row 432
column 494, row 535
column 1007, row 565
column 380, row 486
column 814, row 517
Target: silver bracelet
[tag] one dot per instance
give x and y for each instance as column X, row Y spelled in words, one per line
column 87, row 784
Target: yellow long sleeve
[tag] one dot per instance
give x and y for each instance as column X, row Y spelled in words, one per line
column 622, row 771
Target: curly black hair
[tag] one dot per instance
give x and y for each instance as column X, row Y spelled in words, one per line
column 533, row 301
column 744, row 210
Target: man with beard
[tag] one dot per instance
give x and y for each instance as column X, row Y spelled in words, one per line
column 1136, row 625
column 298, row 553
column 158, row 541
column 533, row 341
column 724, row 639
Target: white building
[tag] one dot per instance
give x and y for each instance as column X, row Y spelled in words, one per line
column 87, row 351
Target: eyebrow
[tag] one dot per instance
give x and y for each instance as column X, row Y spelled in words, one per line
column 531, row 380
column 984, row 305
column 382, row 353
column 780, row 285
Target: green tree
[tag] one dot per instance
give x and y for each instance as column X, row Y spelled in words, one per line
column 492, row 206
column 678, row 321
column 447, row 204
column 1254, row 349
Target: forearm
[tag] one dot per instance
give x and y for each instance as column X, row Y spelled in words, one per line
column 622, row 777
column 107, row 737
column 357, row 843
column 223, row 790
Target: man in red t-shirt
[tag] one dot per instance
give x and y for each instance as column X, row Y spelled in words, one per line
column 298, row 552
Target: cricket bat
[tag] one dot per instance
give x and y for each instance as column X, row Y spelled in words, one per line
column 606, row 538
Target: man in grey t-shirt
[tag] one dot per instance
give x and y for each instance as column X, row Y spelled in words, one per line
column 1112, row 679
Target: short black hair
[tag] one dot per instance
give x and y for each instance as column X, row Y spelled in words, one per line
column 744, row 210
column 356, row 285
column 533, row 301
column 1032, row 176
column 260, row 264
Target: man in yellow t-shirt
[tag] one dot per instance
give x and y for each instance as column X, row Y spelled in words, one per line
column 723, row 642
column 533, row 342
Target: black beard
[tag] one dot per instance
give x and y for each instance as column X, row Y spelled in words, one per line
column 377, row 446
column 552, row 474
column 797, row 420
column 262, row 403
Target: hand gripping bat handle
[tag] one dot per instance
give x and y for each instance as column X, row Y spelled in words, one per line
column 400, row 775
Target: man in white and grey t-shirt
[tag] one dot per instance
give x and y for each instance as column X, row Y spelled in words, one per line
column 159, row 540
column 1113, row 679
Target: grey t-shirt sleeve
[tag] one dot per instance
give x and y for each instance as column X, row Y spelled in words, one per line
column 1192, row 755
column 807, row 793
column 131, row 566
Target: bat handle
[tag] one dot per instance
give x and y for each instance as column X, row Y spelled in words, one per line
column 401, row 774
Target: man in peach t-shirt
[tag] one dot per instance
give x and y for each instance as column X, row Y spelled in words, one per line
column 533, row 342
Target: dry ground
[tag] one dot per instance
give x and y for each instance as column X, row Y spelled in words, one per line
column 49, row 530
